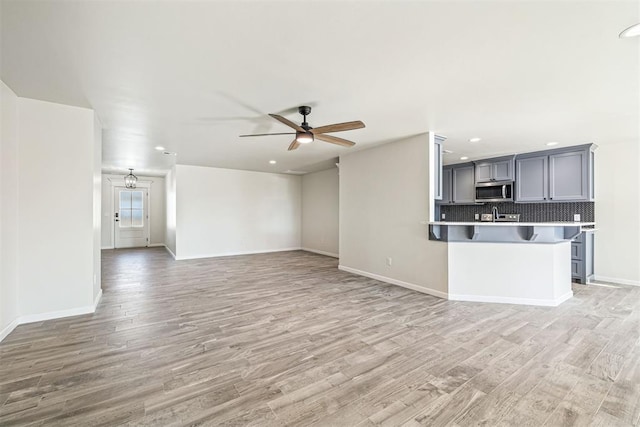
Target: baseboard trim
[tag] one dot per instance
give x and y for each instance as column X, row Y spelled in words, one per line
column 97, row 299
column 237, row 253
column 391, row 281
column 107, row 247
column 41, row 317
column 170, row 251
column 616, row 280
column 315, row 251
column 9, row 328
column 508, row 300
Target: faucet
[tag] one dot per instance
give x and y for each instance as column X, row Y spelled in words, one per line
column 495, row 213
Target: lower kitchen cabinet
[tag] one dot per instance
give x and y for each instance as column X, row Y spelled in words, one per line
column 582, row 257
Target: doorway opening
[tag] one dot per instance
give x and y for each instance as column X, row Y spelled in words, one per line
column 131, row 217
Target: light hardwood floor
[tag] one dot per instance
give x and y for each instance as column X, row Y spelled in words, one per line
column 287, row 339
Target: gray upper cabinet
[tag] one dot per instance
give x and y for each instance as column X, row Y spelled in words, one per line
column 569, row 176
column 458, row 185
column 532, row 179
column 437, row 164
column 463, row 185
column 562, row 175
column 498, row 169
column 447, row 196
column 483, row 172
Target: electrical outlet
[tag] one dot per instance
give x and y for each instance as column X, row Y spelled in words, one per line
column 443, row 216
column 389, row 261
column 576, row 217
column 476, row 216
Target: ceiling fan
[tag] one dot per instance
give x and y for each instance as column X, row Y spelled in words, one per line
column 305, row 133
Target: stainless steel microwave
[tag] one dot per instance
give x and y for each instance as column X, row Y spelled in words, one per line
column 496, row 191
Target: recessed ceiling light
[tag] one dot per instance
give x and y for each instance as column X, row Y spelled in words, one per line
column 550, row 144
column 632, row 31
column 273, row 162
column 475, row 139
column 447, row 152
column 159, row 148
column 463, row 158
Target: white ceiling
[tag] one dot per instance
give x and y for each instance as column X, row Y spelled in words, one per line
column 192, row 76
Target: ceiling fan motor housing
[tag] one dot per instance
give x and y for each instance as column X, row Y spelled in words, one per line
column 304, row 110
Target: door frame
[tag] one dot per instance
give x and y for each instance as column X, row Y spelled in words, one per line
column 142, row 184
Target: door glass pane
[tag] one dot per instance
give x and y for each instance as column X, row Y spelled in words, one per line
column 125, row 218
column 125, row 200
column 136, row 218
column 136, row 200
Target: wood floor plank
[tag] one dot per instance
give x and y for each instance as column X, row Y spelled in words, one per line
column 288, row 339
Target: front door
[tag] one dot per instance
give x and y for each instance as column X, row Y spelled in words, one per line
column 131, row 218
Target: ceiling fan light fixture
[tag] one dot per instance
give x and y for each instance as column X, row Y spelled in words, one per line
column 304, row 137
column 130, row 180
column 632, row 31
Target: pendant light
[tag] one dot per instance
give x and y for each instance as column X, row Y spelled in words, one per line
column 130, row 180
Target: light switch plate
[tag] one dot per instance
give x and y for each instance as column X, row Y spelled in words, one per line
column 476, row 216
column 442, row 216
column 576, row 217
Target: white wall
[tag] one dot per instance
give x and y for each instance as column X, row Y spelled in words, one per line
column 320, row 204
column 617, row 192
column 9, row 310
column 227, row 212
column 56, row 181
column 170, row 213
column 157, row 209
column 384, row 195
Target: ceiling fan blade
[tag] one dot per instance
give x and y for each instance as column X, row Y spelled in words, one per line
column 338, row 127
column 287, row 122
column 295, row 144
column 269, row 134
column 335, row 140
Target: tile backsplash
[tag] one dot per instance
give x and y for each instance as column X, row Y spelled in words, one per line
column 529, row 212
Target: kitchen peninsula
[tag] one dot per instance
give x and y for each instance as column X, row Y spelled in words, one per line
column 531, row 253
column 509, row 262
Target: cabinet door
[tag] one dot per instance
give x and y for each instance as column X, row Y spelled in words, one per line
column 576, row 269
column 531, row 179
column 437, row 165
column 502, row 170
column 484, row 172
column 568, row 176
column 463, row 185
column 576, row 251
column 446, row 186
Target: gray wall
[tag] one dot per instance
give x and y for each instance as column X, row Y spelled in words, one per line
column 320, row 204
column 384, row 197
